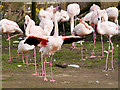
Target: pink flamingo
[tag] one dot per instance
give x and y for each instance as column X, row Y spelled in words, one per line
column 32, row 29
column 94, row 20
column 82, row 29
column 51, row 44
column 112, row 13
column 109, row 29
column 8, row 26
column 73, row 10
column 24, row 48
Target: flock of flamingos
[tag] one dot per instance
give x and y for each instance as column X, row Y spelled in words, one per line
column 41, row 35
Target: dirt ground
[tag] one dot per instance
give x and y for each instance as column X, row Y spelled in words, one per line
column 67, row 78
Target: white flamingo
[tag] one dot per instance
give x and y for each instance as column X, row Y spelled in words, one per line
column 82, row 29
column 109, row 29
column 32, row 29
column 112, row 13
column 94, row 20
column 51, row 44
column 73, row 10
column 24, row 48
column 94, row 7
column 8, row 26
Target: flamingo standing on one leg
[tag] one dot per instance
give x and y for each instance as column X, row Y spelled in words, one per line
column 112, row 13
column 73, row 10
column 108, row 29
column 32, row 29
column 82, row 29
column 51, row 44
column 8, row 26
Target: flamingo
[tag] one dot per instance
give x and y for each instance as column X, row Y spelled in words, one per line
column 47, row 25
column 32, row 29
column 94, row 20
column 73, row 10
column 94, row 7
column 24, row 48
column 51, row 44
column 112, row 13
column 82, row 29
column 109, row 29
column 64, row 18
column 8, row 26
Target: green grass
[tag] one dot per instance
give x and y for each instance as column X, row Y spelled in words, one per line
column 65, row 55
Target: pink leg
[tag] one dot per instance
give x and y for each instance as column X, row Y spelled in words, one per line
column 45, row 79
column 9, row 49
column 73, row 45
column 112, row 55
column 94, row 36
column 46, row 60
column 27, row 59
column 23, row 58
column 14, row 36
column 42, row 73
column 102, row 46
column 107, row 55
column 35, row 63
column 82, row 52
column 52, row 80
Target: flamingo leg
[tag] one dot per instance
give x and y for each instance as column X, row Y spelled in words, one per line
column 112, row 55
column 42, row 73
column 14, row 36
column 26, row 58
column 46, row 60
column 23, row 58
column 9, row 49
column 45, row 79
column 63, row 29
column 107, row 54
column 82, row 52
column 102, row 46
column 72, row 27
column 52, row 80
column 94, row 36
column 35, row 63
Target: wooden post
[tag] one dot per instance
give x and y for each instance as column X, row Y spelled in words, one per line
column 34, row 11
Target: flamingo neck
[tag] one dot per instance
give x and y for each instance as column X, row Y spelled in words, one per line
column 56, row 26
column 72, row 23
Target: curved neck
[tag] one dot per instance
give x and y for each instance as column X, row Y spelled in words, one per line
column 99, row 25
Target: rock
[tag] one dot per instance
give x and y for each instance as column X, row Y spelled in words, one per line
column 97, row 82
column 62, row 65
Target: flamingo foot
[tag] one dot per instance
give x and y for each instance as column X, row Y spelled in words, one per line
column 104, row 70
column 92, row 56
column 52, row 80
column 42, row 73
column 46, row 62
column 35, row 74
column 45, row 79
column 110, row 69
column 9, row 60
column 102, row 56
column 73, row 47
column 82, row 59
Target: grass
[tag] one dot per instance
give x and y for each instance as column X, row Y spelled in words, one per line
column 65, row 55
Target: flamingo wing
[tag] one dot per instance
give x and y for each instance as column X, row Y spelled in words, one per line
column 33, row 40
column 71, row 38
